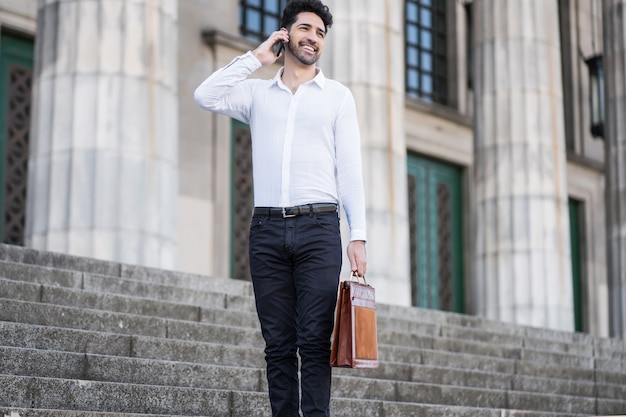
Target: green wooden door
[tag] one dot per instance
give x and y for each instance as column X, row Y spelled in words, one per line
column 16, row 73
column 436, row 232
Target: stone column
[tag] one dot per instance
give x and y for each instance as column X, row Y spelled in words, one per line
column 103, row 173
column 614, row 16
column 522, row 261
column 365, row 51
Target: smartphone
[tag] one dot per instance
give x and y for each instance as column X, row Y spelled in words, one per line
column 279, row 47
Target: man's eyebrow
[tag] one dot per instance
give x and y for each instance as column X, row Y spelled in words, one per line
column 308, row 25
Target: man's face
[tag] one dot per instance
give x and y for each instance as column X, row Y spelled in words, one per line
column 306, row 38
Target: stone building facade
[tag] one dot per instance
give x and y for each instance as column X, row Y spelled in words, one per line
column 493, row 141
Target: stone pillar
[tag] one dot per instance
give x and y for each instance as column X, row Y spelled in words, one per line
column 522, row 262
column 365, row 51
column 614, row 16
column 103, row 172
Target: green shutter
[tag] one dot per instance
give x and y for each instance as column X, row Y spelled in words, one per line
column 242, row 199
column 436, row 232
column 16, row 67
column 575, row 220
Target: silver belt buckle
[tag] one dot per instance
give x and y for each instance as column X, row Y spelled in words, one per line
column 285, row 215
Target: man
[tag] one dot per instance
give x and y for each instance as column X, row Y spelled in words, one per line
column 306, row 159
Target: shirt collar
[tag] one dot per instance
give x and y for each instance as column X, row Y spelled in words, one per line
column 320, row 78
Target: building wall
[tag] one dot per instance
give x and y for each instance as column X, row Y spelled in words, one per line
column 209, row 38
column 441, row 132
column 19, row 15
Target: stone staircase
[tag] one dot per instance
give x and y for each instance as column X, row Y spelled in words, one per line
column 83, row 337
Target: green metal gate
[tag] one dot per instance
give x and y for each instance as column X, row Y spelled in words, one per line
column 242, row 199
column 16, row 74
column 436, row 232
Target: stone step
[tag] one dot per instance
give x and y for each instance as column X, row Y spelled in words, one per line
column 137, row 328
column 185, row 304
column 138, row 306
column 89, row 342
column 104, row 321
column 222, row 292
column 133, row 305
column 92, row 342
column 69, row 365
column 490, row 334
column 43, row 314
column 29, row 412
column 21, row 258
column 71, row 297
column 82, row 394
column 209, row 297
column 65, row 269
column 81, row 341
column 67, row 394
column 28, row 256
column 215, row 292
column 340, row 407
column 398, row 391
column 392, row 409
column 485, row 330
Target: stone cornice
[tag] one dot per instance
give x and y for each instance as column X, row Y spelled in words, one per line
column 438, row 110
column 213, row 37
column 584, row 161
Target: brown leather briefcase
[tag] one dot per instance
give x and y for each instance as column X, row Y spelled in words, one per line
column 354, row 338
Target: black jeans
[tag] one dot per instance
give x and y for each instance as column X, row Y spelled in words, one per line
column 295, row 264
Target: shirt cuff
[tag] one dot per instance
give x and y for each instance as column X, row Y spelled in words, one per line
column 357, row 234
column 251, row 61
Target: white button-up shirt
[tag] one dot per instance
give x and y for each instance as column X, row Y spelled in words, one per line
column 305, row 146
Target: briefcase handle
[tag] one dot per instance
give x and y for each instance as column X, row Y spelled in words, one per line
column 355, row 277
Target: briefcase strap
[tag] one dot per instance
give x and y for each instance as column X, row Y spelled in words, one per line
column 355, row 277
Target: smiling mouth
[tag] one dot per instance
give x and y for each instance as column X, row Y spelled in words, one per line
column 309, row 48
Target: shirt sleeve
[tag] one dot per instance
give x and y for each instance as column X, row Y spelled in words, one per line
column 349, row 168
column 225, row 91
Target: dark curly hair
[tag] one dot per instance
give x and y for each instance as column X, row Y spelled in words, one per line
column 294, row 7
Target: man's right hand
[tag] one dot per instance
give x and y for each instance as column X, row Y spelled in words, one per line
column 265, row 53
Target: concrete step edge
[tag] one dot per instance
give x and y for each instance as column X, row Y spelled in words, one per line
column 417, row 370
column 173, row 329
column 131, row 324
column 90, row 361
column 382, row 390
column 198, row 314
column 67, row 262
column 340, row 407
column 76, row 279
column 66, row 394
column 55, row 260
column 121, row 303
column 436, row 343
column 111, row 344
column 29, row 412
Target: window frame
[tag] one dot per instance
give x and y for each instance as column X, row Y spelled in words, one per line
column 416, row 51
column 265, row 11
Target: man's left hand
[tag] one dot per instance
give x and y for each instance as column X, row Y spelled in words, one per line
column 357, row 257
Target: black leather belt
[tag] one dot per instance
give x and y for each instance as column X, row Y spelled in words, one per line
column 295, row 211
